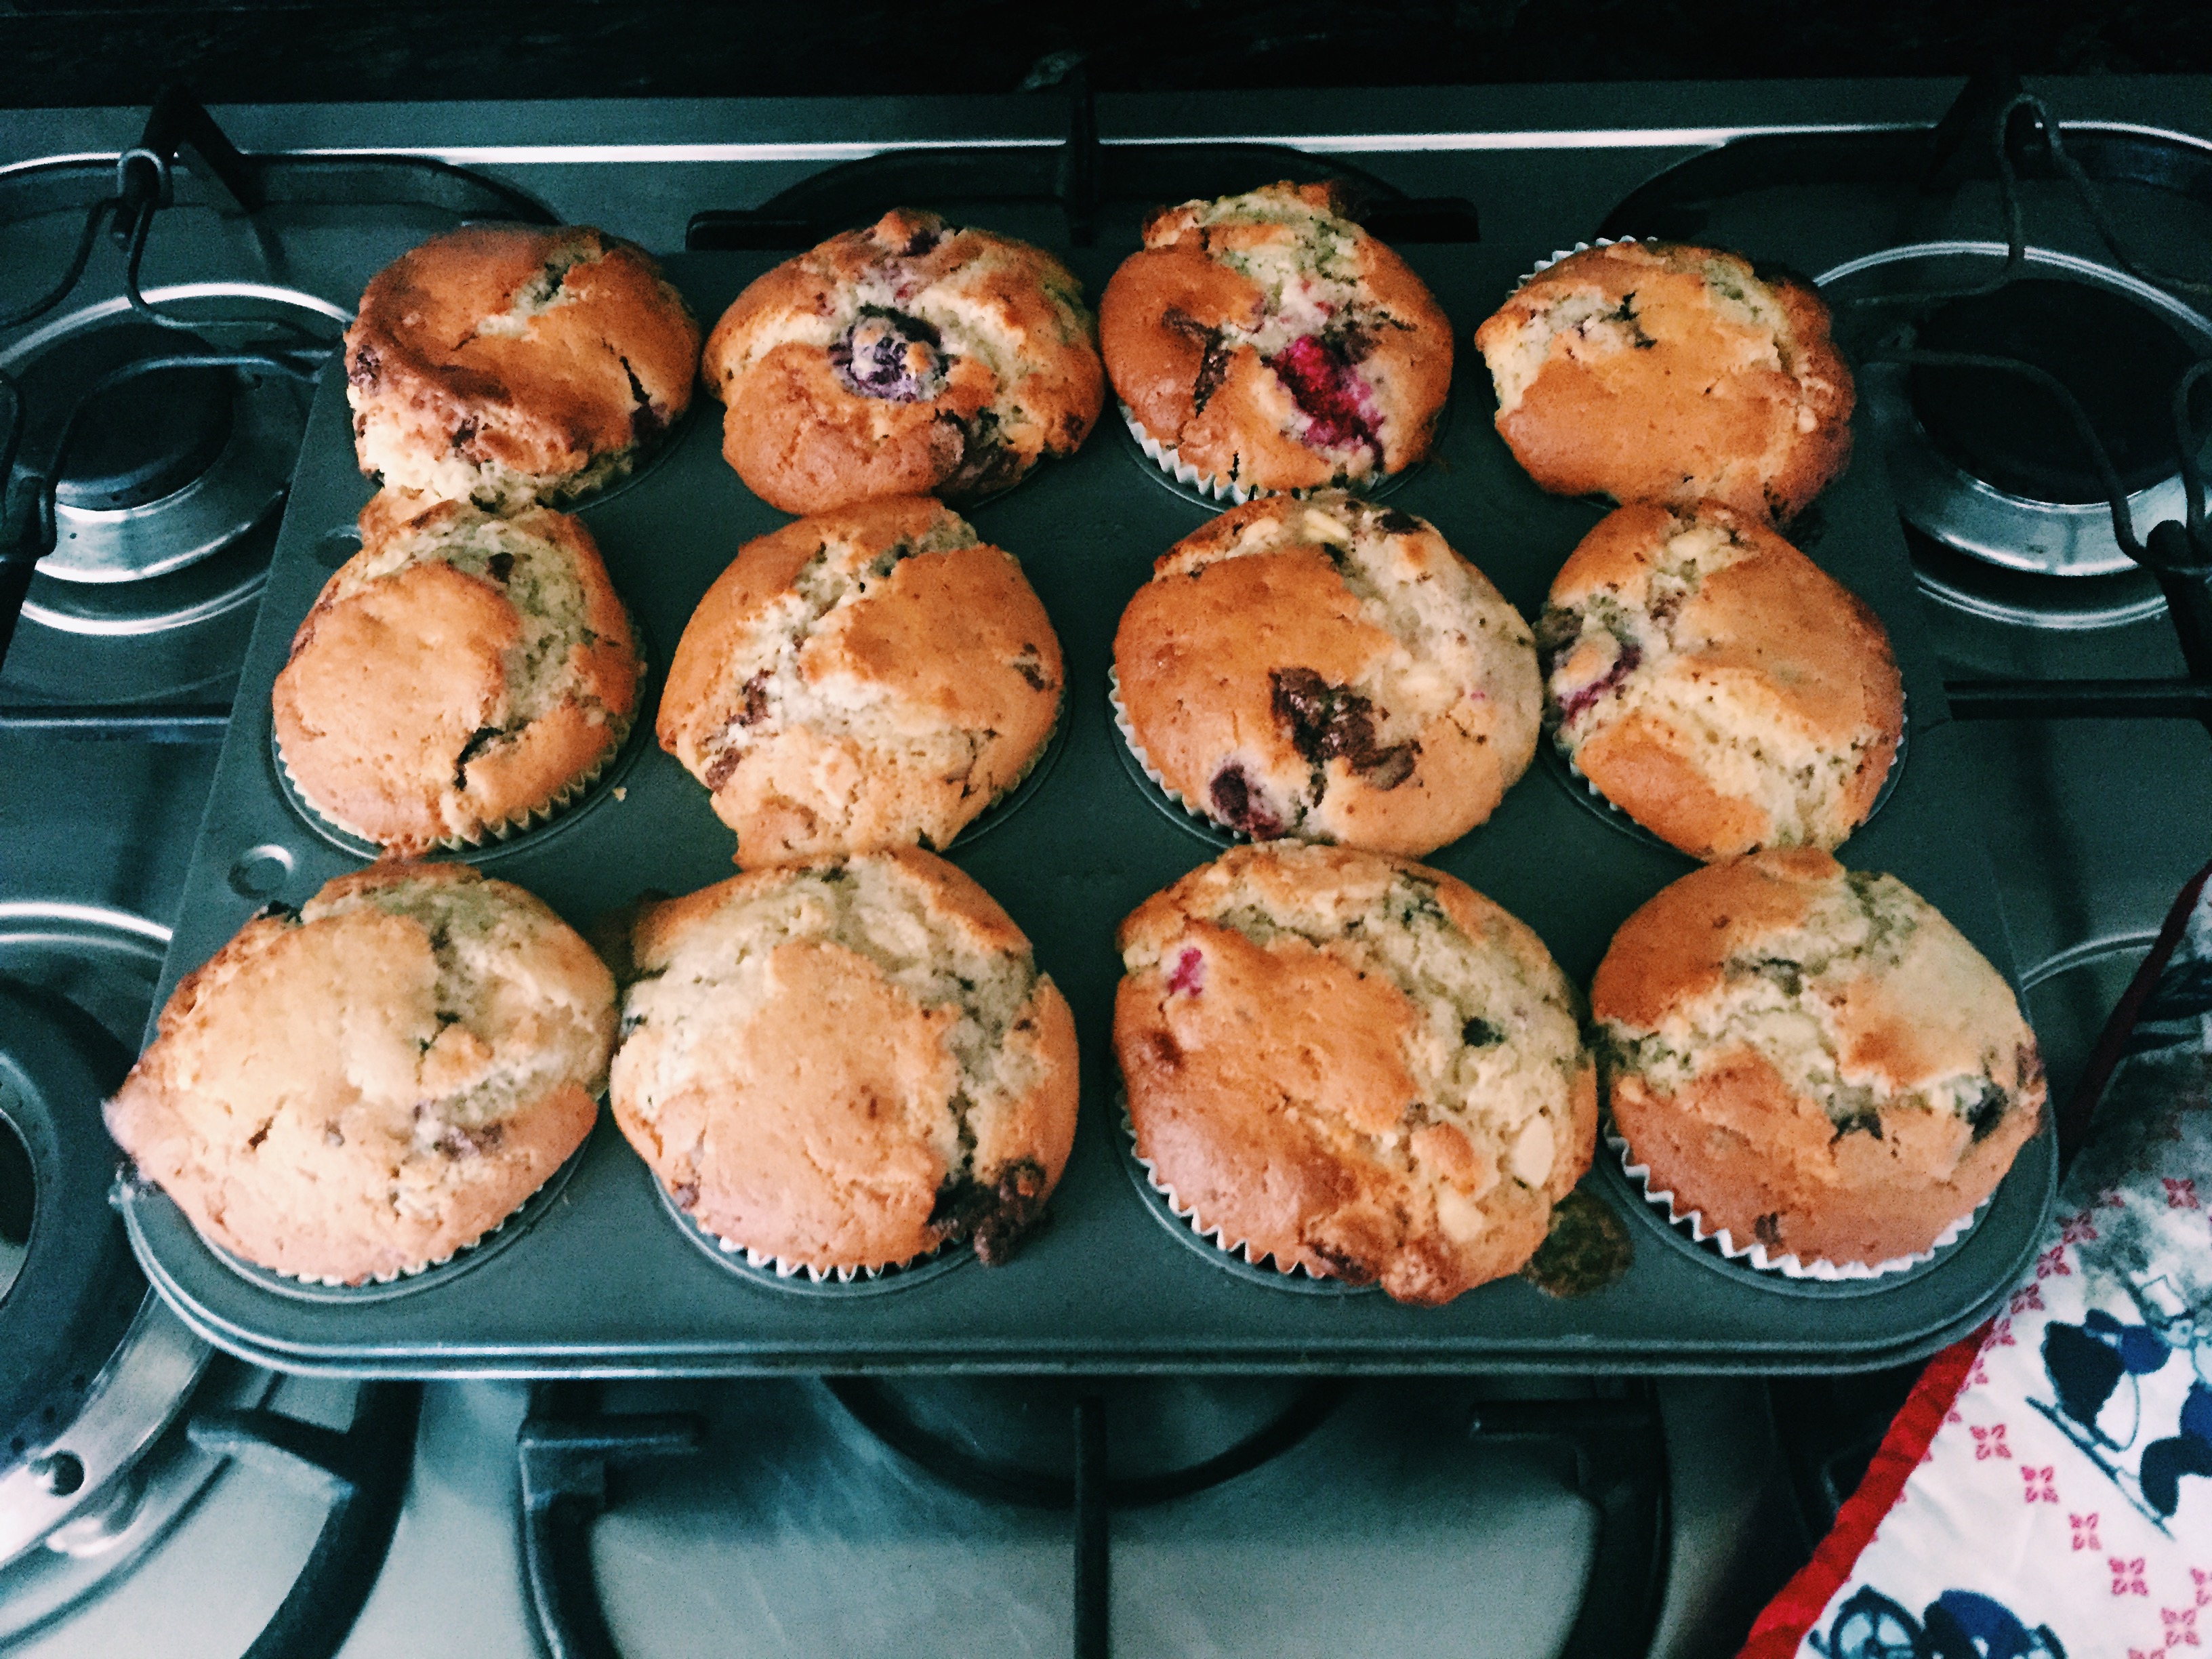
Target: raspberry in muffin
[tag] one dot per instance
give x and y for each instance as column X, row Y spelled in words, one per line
column 911, row 358
column 1813, row 1058
column 358, row 1089
column 1660, row 372
column 1353, row 1065
column 1272, row 344
column 1715, row 684
column 1328, row 669
column 842, row 1067
column 508, row 365
column 459, row 676
column 870, row 678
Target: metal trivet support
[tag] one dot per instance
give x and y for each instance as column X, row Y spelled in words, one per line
column 360, row 1472
column 565, row 1448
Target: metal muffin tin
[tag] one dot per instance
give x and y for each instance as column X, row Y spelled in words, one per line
column 603, row 1279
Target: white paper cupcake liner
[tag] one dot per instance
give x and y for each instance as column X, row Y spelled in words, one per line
column 1204, row 819
column 1165, row 457
column 1757, row 1256
column 543, row 813
column 1215, row 1236
column 415, row 1270
column 767, row 1262
column 1558, row 254
column 1628, row 820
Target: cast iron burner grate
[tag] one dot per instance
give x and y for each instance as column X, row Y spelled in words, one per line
column 1052, row 1448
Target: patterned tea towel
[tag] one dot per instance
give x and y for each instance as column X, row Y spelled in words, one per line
column 2046, row 1491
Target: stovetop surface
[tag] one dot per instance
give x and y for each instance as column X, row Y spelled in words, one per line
column 2093, row 826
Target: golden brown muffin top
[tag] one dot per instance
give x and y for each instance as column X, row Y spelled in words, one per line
column 364, row 1087
column 1275, row 344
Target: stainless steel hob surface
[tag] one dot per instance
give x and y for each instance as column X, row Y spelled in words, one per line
column 2092, row 827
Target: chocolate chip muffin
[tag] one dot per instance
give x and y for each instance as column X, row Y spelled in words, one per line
column 1813, row 1058
column 866, row 679
column 358, row 1089
column 508, row 364
column 914, row 358
column 460, row 676
column 1266, row 342
column 842, row 1067
column 1328, row 669
column 1353, row 1065
column 1715, row 684
column 1661, row 372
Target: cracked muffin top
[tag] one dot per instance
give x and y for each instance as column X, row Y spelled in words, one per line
column 1355, row 1066
column 848, row 1066
column 505, row 364
column 1275, row 344
column 1813, row 1057
column 911, row 358
column 1332, row 670
column 1659, row 371
column 359, row 1088
column 459, row 675
column 1715, row 684
column 867, row 678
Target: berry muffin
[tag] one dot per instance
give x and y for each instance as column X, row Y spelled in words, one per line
column 866, row 678
column 1268, row 342
column 507, row 364
column 1813, row 1058
column 843, row 1068
column 1715, row 684
column 459, row 677
column 357, row 1090
column 1658, row 372
column 1328, row 669
column 911, row 358
column 1355, row 1066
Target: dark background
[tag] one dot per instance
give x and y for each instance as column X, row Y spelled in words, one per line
column 63, row 53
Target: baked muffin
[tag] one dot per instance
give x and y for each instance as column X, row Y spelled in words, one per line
column 1715, row 684
column 1813, row 1058
column 911, row 358
column 357, row 1090
column 1328, row 669
column 1355, row 1066
column 1271, row 343
column 843, row 1068
column 1659, row 371
column 866, row 678
column 459, row 676
column 508, row 364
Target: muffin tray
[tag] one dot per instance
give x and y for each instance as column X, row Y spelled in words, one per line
column 601, row 1277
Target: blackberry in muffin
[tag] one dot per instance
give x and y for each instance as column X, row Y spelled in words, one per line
column 914, row 358
column 1355, row 1066
column 1813, row 1058
column 1715, row 684
column 358, row 1089
column 1662, row 372
column 509, row 365
column 842, row 1068
column 1268, row 342
column 870, row 678
column 459, row 676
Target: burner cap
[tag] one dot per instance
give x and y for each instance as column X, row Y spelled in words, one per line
column 18, row 1197
column 2120, row 359
column 137, row 442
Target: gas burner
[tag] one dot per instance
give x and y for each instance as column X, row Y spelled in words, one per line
column 167, row 507
column 2119, row 359
column 1012, row 1438
column 1987, row 468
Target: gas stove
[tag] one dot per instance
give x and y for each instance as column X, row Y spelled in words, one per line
column 150, row 1484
